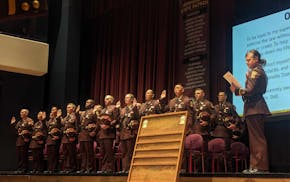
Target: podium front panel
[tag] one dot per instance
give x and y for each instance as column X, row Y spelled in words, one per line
column 159, row 147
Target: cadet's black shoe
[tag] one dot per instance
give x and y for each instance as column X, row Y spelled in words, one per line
column 107, row 172
column 88, row 171
column 81, row 171
column 47, row 172
column 254, row 171
column 65, row 172
column 18, row 171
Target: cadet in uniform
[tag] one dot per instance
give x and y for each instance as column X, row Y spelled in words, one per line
column 203, row 117
column 23, row 132
column 53, row 139
column 129, row 123
column 88, row 130
column 69, row 139
column 203, row 114
column 255, row 111
column 37, row 142
column 228, row 125
column 179, row 103
column 107, row 133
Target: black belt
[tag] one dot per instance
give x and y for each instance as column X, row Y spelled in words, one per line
column 253, row 98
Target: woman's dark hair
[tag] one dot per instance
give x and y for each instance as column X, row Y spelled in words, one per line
column 257, row 55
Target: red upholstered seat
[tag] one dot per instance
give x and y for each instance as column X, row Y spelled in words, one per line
column 240, row 152
column 98, row 156
column 216, row 151
column 194, row 146
column 117, row 156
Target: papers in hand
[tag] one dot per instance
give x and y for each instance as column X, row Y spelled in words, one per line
column 231, row 79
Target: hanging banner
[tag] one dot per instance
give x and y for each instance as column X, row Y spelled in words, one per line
column 194, row 69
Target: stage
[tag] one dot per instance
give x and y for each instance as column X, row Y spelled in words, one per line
column 232, row 177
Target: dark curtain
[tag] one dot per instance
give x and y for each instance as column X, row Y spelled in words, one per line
column 131, row 45
column 54, row 14
column 221, row 18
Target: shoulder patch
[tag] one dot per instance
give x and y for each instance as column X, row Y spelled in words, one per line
column 255, row 74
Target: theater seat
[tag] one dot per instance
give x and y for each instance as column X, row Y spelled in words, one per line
column 117, row 156
column 98, row 156
column 240, row 152
column 217, row 151
column 194, row 146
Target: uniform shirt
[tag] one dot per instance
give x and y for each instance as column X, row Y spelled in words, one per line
column 86, row 118
column 200, row 107
column 256, row 85
column 226, row 114
column 150, row 107
column 113, row 113
column 39, row 126
column 70, row 121
column 128, row 115
column 23, row 124
column 53, row 123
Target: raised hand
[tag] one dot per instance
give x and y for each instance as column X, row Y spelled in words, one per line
column 95, row 109
column 78, row 108
column 51, row 115
column 59, row 113
column 43, row 115
column 163, row 94
column 13, row 120
column 118, row 104
column 135, row 103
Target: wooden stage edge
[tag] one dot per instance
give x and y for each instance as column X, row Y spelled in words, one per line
column 277, row 177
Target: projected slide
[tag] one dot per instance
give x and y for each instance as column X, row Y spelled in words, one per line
column 270, row 35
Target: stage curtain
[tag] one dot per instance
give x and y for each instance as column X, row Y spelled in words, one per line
column 131, row 45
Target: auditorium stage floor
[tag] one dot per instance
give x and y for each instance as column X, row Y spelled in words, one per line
column 270, row 177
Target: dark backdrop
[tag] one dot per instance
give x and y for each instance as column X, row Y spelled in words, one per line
column 108, row 46
column 132, row 47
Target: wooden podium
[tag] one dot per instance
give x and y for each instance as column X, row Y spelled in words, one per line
column 158, row 150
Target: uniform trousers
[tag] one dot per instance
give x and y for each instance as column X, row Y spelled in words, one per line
column 37, row 163
column 69, row 152
column 22, row 157
column 87, row 155
column 108, row 154
column 127, row 147
column 52, row 157
column 257, row 142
